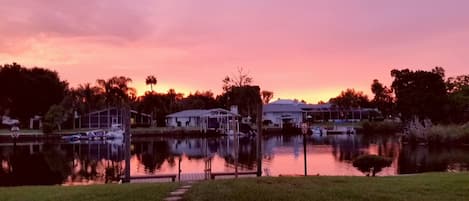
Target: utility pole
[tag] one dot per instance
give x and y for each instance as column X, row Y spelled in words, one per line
column 259, row 139
column 126, row 127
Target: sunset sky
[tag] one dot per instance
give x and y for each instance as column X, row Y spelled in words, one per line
column 303, row 49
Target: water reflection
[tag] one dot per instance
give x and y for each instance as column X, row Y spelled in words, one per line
column 36, row 163
column 39, row 163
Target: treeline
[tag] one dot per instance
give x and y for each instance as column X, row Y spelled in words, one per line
column 25, row 93
column 415, row 94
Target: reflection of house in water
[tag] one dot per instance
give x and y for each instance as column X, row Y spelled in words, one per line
column 283, row 113
column 282, row 145
column 345, row 147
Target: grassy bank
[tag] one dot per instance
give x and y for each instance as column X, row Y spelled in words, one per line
column 428, row 187
column 129, row 192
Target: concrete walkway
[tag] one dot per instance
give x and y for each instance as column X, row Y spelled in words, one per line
column 177, row 194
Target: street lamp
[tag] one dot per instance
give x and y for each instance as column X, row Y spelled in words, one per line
column 305, row 129
column 14, row 135
column 15, row 132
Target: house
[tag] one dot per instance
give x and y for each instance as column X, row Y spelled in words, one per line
column 282, row 112
column 211, row 119
column 107, row 117
column 293, row 113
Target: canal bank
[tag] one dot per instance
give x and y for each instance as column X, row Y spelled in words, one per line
column 429, row 187
column 28, row 135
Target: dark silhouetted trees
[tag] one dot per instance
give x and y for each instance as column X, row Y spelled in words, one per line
column 199, row 100
column 349, row 99
column 458, row 97
column 267, row 96
column 151, row 80
column 54, row 118
column 116, row 90
column 420, row 93
column 371, row 164
column 383, row 99
column 241, row 78
column 87, row 98
column 25, row 92
column 237, row 90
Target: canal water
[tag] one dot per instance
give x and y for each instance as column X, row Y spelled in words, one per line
column 70, row 163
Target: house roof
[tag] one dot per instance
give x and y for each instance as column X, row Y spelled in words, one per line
column 284, row 105
column 273, row 107
column 200, row 113
column 115, row 108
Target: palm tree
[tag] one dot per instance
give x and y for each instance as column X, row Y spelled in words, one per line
column 116, row 90
column 151, row 80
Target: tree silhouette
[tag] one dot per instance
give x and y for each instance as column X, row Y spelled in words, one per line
column 383, row 99
column 371, row 164
column 267, row 96
column 26, row 92
column 420, row 93
column 241, row 79
column 350, row 99
column 151, row 80
column 116, row 90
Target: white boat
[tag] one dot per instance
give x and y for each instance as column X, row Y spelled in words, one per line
column 342, row 130
column 335, row 130
column 318, row 131
column 72, row 137
column 93, row 135
column 116, row 132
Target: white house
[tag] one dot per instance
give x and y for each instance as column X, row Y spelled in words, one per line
column 214, row 119
column 294, row 113
column 283, row 111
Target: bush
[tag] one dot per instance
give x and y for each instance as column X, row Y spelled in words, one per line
column 380, row 127
column 371, row 164
column 450, row 134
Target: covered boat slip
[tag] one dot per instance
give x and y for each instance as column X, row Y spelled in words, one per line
column 211, row 120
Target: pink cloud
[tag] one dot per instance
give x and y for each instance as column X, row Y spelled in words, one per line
column 303, row 49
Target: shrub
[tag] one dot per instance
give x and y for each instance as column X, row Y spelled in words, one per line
column 380, row 127
column 371, row 164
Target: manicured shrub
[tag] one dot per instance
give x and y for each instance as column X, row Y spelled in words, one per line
column 371, row 164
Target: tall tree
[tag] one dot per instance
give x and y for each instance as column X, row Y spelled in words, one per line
column 238, row 91
column 87, row 98
column 350, row 99
column 151, row 80
column 54, row 118
column 240, row 79
column 457, row 83
column 26, row 92
column 458, row 107
column 116, row 90
column 383, row 99
column 199, row 100
column 267, row 96
column 420, row 93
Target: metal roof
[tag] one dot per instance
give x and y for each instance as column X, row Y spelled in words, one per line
column 273, row 107
column 283, row 105
column 200, row 113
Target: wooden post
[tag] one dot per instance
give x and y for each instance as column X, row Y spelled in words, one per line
column 236, row 153
column 126, row 126
column 259, row 139
column 304, row 153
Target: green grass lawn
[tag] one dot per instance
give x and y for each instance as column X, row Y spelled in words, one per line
column 126, row 192
column 425, row 187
